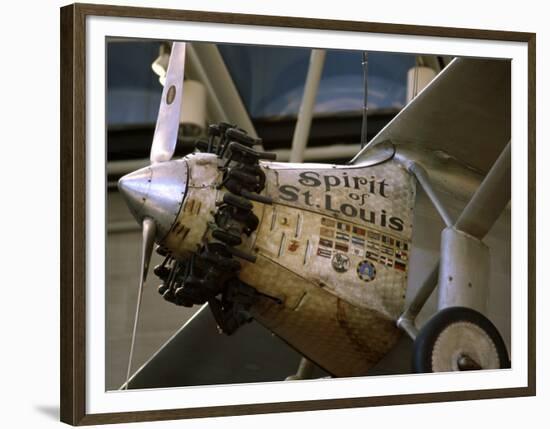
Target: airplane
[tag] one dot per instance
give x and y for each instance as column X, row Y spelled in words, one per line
column 321, row 254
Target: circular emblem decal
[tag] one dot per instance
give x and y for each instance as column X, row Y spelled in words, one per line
column 340, row 262
column 366, row 271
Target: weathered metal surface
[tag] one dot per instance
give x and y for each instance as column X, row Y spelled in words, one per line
column 490, row 199
column 464, row 271
column 381, row 196
column 191, row 224
column 342, row 339
column 333, row 248
column 346, row 230
column 156, row 192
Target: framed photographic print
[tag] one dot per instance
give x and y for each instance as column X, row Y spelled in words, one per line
column 266, row 214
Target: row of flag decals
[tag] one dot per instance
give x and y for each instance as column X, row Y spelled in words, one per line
column 371, row 245
column 342, row 236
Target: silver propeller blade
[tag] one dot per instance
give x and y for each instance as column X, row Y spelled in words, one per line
column 166, row 131
column 148, row 241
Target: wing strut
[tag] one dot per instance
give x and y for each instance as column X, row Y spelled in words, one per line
column 475, row 221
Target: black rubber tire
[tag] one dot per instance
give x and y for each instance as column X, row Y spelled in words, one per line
column 425, row 341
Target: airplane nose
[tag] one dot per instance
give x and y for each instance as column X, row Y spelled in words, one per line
column 156, row 192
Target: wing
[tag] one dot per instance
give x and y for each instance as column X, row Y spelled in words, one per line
column 198, row 355
column 464, row 111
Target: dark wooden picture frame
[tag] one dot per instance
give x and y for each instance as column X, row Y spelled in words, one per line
column 73, row 212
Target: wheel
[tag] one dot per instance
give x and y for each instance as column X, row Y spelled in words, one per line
column 459, row 339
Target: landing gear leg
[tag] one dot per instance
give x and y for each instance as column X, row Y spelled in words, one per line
column 459, row 337
column 305, row 370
